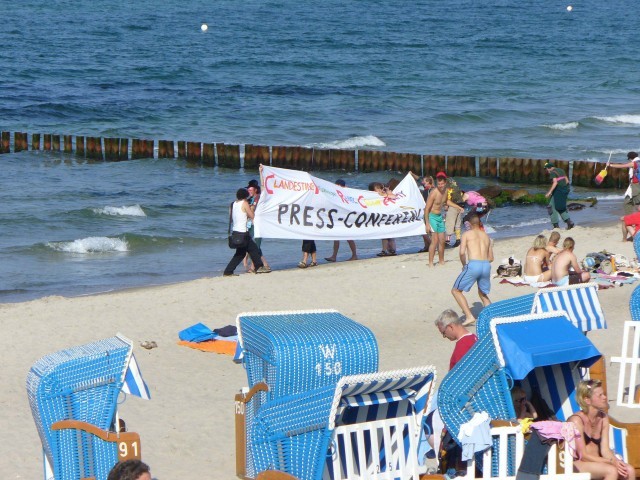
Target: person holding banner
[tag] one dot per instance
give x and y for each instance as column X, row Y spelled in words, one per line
column 240, row 213
column 435, row 204
column 336, row 243
column 388, row 244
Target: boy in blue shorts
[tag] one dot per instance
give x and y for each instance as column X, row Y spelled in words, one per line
column 476, row 255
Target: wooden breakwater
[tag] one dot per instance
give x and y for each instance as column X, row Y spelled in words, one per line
column 248, row 156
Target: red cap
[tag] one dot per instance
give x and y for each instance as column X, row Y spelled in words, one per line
column 441, row 175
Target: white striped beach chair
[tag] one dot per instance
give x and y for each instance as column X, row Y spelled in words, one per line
column 73, row 396
column 368, row 428
column 580, row 302
column 628, row 394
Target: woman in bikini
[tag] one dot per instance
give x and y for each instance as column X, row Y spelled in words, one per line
column 593, row 424
column 537, row 257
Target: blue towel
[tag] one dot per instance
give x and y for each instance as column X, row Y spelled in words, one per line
column 197, row 333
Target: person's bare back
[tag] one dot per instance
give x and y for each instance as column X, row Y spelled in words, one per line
column 477, row 245
column 562, row 264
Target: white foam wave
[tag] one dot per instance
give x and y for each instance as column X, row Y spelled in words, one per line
column 353, row 143
column 611, row 196
column 130, row 211
column 612, row 151
column 91, row 245
column 535, row 221
column 624, row 119
column 562, row 126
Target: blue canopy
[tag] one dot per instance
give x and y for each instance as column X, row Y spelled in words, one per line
column 539, row 342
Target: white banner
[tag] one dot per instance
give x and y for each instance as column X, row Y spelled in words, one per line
column 295, row 205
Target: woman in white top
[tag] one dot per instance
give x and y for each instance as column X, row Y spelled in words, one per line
column 240, row 214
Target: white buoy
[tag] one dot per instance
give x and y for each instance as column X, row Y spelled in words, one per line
column 569, row 8
column 204, row 27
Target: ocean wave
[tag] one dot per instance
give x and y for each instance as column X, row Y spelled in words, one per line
column 562, row 126
column 624, row 119
column 534, row 221
column 130, row 211
column 353, row 143
column 91, row 245
column 613, row 151
column 611, row 196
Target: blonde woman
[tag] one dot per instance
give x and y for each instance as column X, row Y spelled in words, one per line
column 593, row 424
column 537, row 257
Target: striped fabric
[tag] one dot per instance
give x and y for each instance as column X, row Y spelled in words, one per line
column 379, row 391
column 557, row 386
column 134, row 384
column 377, row 420
column 579, row 301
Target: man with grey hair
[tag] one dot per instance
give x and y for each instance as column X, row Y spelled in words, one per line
column 449, row 324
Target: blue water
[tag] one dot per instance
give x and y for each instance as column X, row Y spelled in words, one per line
column 486, row 78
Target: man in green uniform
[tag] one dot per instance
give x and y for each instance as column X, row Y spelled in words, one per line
column 558, row 194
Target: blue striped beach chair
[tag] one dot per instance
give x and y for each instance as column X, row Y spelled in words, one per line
column 634, row 302
column 73, row 396
column 636, row 245
column 298, row 352
column 580, row 302
column 516, row 348
column 368, row 426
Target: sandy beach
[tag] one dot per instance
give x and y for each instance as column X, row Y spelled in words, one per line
column 187, row 429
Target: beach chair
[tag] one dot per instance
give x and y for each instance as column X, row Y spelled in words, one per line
column 628, row 394
column 636, row 246
column 294, row 353
column 516, row 348
column 634, row 302
column 73, row 396
column 580, row 302
column 365, row 427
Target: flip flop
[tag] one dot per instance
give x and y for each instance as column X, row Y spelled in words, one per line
column 382, row 254
column 313, row 264
column 302, row 265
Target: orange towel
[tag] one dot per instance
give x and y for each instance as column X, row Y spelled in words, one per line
column 224, row 347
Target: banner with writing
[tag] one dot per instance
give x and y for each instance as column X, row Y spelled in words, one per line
column 296, row 205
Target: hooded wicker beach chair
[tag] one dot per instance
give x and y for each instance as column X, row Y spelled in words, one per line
column 316, row 407
column 521, row 349
column 287, row 353
column 73, row 396
column 515, row 349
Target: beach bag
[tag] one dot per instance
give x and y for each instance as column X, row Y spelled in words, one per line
column 510, row 267
column 238, row 240
column 507, row 270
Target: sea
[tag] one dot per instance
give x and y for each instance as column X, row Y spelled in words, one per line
column 554, row 79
